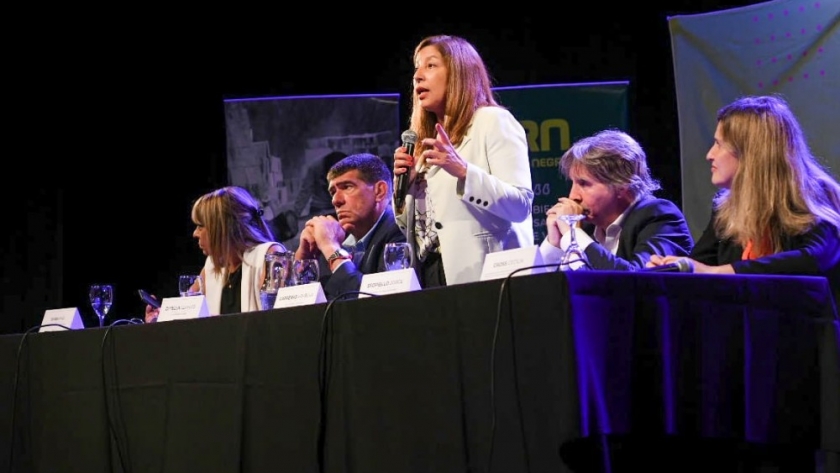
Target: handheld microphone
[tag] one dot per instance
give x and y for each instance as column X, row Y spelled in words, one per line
column 409, row 138
column 682, row 265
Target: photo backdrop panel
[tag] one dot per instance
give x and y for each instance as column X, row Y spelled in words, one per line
column 554, row 117
column 788, row 47
column 280, row 149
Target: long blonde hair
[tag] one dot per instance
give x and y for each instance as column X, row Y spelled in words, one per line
column 779, row 188
column 468, row 88
column 234, row 223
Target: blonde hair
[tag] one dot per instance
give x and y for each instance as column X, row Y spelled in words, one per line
column 468, row 88
column 234, row 224
column 779, row 188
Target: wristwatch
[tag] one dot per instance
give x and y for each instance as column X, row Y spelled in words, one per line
column 340, row 253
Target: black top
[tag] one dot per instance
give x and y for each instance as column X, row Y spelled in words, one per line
column 813, row 253
column 231, row 302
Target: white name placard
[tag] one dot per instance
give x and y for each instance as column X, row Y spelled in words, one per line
column 183, row 308
column 68, row 317
column 304, row 294
column 389, row 282
column 500, row 264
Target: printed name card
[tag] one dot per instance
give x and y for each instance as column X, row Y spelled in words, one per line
column 304, row 294
column 183, row 308
column 389, row 282
column 68, row 317
column 500, row 264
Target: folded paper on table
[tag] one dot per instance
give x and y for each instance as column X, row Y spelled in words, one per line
column 303, row 294
column 68, row 317
column 389, row 282
column 501, row 264
column 183, row 308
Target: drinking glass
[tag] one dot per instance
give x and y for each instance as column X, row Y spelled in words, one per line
column 101, row 297
column 267, row 299
column 186, row 283
column 397, row 256
column 305, row 271
column 574, row 253
column 278, row 274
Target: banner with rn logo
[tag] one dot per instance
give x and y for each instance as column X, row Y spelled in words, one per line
column 554, row 117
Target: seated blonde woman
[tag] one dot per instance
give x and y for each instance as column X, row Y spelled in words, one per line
column 232, row 233
column 778, row 210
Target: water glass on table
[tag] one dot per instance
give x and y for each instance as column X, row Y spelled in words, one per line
column 574, row 258
column 278, row 274
column 397, row 256
column 190, row 285
column 267, row 299
column 101, row 297
column 305, row 271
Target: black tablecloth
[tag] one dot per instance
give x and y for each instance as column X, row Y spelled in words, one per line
column 750, row 365
column 447, row 380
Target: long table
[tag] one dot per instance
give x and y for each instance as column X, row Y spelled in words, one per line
column 542, row 373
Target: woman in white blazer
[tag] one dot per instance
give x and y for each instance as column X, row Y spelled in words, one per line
column 469, row 191
column 231, row 231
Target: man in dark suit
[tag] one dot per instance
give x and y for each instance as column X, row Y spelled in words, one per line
column 351, row 245
column 625, row 224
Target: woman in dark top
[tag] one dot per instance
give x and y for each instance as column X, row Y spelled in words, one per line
column 778, row 210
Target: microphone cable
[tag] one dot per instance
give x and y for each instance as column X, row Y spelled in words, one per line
column 121, row 443
column 324, row 356
column 513, row 357
column 586, row 264
column 15, row 387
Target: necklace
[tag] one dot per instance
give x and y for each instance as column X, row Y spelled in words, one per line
column 233, row 276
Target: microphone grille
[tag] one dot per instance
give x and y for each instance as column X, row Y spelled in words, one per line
column 409, row 136
column 685, row 265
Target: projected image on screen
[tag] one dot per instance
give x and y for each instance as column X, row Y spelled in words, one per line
column 280, row 149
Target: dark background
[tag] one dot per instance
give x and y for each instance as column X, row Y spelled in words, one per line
column 117, row 122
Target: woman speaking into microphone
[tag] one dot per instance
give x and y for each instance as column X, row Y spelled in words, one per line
column 469, row 180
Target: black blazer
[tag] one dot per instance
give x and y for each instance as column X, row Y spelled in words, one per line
column 813, row 253
column 348, row 277
column 652, row 226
